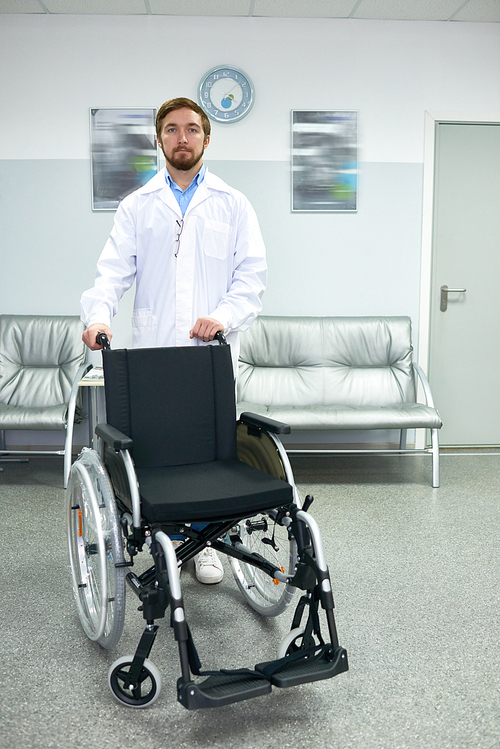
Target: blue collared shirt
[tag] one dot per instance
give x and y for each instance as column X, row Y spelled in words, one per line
column 183, row 197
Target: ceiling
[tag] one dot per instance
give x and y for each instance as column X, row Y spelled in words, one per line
column 482, row 11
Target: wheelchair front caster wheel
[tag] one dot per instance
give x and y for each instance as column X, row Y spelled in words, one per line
column 147, row 690
column 289, row 644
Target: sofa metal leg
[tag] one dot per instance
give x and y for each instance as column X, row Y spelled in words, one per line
column 435, row 458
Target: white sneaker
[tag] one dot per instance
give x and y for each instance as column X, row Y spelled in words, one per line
column 208, row 567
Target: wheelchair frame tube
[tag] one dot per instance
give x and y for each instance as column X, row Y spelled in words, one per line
column 326, row 587
column 316, row 536
column 173, row 571
column 179, row 618
column 288, row 468
column 70, row 420
column 134, row 489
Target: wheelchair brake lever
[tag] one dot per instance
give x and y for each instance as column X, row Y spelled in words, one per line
column 307, row 502
column 271, row 543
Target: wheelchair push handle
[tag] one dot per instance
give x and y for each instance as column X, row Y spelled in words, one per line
column 103, row 340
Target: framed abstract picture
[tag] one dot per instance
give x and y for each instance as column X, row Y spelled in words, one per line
column 324, row 160
column 123, row 153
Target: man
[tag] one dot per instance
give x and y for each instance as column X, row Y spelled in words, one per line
column 194, row 248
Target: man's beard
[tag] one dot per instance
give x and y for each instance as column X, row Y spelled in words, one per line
column 184, row 162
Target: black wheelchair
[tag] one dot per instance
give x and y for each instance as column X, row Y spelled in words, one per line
column 173, row 455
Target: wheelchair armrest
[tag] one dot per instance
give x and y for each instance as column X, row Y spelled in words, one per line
column 263, row 422
column 113, row 437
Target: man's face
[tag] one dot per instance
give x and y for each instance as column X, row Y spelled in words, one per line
column 182, row 139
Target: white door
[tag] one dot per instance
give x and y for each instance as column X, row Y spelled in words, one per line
column 464, row 350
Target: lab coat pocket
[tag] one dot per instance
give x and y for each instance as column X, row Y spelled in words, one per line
column 216, row 239
column 144, row 328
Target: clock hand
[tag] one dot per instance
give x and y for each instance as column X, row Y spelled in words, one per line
column 232, row 89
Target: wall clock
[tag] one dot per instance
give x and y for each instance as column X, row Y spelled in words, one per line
column 226, row 94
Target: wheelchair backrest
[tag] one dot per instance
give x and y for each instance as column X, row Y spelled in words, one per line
column 177, row 404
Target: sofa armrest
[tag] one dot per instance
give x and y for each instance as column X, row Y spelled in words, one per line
column 425, row 385
column 113, row 437
column 262, row 422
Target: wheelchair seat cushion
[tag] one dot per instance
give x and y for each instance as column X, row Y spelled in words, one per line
column 217, row 490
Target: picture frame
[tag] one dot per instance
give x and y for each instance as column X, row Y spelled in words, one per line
column 324, row 161
column 123, row 153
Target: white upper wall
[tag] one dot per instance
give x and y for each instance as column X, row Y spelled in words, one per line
column 54, row 68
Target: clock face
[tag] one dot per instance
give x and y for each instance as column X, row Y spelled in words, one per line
column 226, row 94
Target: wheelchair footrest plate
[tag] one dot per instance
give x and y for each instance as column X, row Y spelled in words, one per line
column 304, row 666
column 222, row 688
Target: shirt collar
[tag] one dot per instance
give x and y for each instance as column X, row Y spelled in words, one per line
column 197, row 179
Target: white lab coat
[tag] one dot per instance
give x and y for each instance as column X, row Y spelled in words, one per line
column 219, row 271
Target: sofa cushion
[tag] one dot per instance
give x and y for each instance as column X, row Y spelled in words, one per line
column 34, row 417
column 397, row 416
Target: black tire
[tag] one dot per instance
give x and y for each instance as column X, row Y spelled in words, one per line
column 289, row 644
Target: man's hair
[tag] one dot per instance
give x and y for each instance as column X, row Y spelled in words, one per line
column 180, row 103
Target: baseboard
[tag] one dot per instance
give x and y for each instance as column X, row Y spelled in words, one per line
column 40, row 449
column 353, row 446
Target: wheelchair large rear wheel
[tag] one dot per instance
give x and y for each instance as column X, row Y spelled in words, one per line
column 95, row 548
column 264, row 534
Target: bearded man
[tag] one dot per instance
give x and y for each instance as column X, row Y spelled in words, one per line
column 194, row 248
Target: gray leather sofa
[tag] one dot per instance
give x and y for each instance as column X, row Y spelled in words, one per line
column 336, row 373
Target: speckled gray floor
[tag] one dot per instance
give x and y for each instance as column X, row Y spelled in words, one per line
column 416, row 582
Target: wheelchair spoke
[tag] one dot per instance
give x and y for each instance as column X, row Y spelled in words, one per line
column 269, row 539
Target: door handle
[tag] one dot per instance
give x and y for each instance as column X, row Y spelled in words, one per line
column 444, row 296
